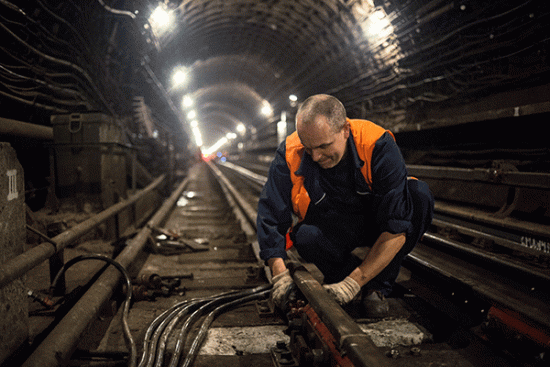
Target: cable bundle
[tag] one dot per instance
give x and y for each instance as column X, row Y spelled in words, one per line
column 159, row 331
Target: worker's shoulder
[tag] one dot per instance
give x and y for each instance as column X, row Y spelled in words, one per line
column 365, row 131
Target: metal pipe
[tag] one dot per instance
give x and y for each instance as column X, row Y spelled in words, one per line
column 58, row 346
column 25, row 129
column 536, row 180
column 537, row 229
column 353, row 342
column 19, row 265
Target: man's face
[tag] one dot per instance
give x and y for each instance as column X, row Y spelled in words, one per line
column 325, row 146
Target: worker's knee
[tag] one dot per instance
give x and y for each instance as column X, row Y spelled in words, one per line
column 306, row 236
column 314, row 246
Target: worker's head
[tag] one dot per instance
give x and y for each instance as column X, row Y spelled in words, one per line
column 323, row 129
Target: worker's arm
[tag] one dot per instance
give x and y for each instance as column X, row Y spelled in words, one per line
column 274, row 209
column 277, row 265
column 282, row 281
column 379, row 256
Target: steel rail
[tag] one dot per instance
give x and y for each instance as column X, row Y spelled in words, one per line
column 21, row 264
column 257, row 178
column 58, row 346
column 487, row 285
column 503, row 178
column 248, row 209
column 352, row 341
column 245, row 213
column 536, row 180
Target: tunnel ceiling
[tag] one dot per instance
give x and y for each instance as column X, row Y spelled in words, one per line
column 406, row 64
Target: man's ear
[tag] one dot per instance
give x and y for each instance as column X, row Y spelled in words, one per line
column 346, row 130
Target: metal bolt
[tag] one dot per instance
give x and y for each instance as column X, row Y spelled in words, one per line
column 394, row 353
column 286, row 358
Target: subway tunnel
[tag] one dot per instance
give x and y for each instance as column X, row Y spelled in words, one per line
column 101, row 99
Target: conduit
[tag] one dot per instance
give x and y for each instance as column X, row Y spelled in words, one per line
column 25, row 129
column 58, row 346
column 19, row 265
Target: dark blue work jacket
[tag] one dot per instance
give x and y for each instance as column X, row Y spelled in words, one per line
column 352, row 215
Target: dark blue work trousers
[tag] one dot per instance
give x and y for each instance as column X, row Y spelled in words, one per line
column 336, row 261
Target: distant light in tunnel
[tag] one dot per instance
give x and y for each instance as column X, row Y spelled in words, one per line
column 198, row 136
column 194, row 123
column 161, row 19
column 191, row 115
column 230, row 135
column 179, row 77
column 377, row 25
column 293, row 98
column 187, row 101
column 266, row 109
column 216, row 146
column 241, row 129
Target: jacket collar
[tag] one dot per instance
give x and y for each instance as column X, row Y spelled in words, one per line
column 309, row 169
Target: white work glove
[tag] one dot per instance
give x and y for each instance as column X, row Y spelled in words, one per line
column 281, row 284
column 344, row 291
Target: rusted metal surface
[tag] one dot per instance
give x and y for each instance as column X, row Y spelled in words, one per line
column 62, row 341
column 24, row 129
column 19, row 265
column 349, row 337
column 206, row 214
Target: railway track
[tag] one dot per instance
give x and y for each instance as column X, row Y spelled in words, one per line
column 200, row 298
column 477, row 270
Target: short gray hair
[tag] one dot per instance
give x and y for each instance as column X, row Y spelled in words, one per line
column 324, row 105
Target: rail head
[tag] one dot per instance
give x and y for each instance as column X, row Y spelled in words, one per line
column 353, row 342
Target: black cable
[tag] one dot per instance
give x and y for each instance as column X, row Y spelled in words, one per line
column 162, row 333
column 162, row 326
column 199, row 339
column 205, row 308
column 149, row 344
column 127, row 334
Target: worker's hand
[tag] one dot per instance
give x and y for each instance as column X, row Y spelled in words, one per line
column 282, row 284
column 344, row 291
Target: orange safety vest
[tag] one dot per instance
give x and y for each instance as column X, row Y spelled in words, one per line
column 365, row 135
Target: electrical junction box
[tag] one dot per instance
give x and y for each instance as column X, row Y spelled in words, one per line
column 90, row 159
column 85, row 128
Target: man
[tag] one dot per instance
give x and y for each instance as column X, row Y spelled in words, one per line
column 334, row 185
